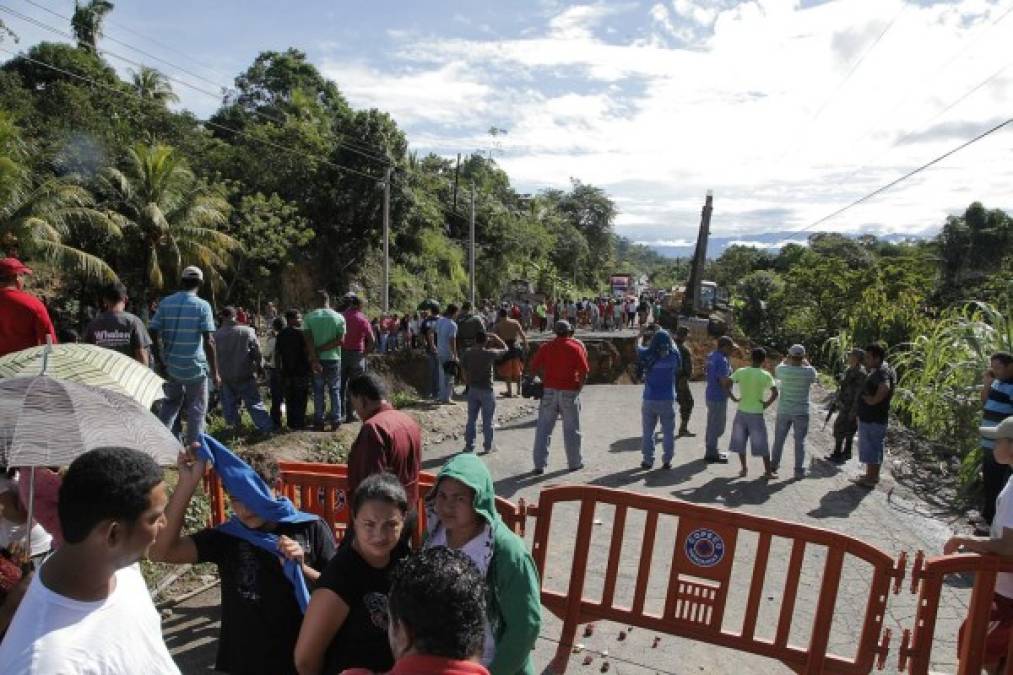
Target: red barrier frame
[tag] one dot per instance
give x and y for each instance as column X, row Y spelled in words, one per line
column 695, row 595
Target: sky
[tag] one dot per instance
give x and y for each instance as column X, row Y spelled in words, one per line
column 786, row 109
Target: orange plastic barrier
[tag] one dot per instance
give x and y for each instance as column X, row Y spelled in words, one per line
column 698, row 585
column 927, row 578
column 322, row 489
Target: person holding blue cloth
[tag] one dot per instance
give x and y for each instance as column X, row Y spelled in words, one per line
column 269, row 556
column 660, row 364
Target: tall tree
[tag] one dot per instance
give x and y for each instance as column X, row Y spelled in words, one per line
column 152, row 85
column 37, row 217
column 86, row 22
column 169, row 213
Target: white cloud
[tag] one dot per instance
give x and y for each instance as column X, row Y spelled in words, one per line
column 442, row 95
column 758, row 102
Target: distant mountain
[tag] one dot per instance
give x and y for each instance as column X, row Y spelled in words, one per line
column 771, row 241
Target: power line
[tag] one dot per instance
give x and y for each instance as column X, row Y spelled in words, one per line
column 222, row 127
column 844, row 81
column 369, row 153
column 908, row 175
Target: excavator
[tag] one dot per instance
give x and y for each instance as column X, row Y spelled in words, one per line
column 700, row 305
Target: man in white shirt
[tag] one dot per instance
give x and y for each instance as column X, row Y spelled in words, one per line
column 88, row 610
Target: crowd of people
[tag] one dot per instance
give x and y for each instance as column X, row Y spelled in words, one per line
column 296, row 599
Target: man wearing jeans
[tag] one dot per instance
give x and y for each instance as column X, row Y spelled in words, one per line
column 445, row 332
column 563, row 365
column 358, row 342
column 796, row 377
column 719, row 369
column 324, row 333
column 239, row 362
column 477, row 364
column 874, row 413
column 182, row 339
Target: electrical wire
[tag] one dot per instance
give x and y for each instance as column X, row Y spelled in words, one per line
column 222, row 127
column 218, row 96
column 908, row 175
column 840, row 85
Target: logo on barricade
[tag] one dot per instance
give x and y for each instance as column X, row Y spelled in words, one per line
column 705, row 547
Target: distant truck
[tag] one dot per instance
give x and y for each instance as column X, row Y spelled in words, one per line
column 621, row 285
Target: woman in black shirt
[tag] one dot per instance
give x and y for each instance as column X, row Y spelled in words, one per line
column 346, row 622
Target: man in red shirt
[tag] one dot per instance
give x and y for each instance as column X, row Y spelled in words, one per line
column 358, row 341
column 563, row 365
column 24, row 320
column 388, row 441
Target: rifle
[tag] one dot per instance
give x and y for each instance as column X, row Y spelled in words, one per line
column 830, row 413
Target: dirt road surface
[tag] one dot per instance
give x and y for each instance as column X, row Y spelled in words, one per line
column 886, row 517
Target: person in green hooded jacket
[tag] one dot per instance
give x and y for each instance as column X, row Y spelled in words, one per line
column 461, row 514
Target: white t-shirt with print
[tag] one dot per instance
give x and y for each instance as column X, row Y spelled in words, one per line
column 121, row 635
column 1003, row 518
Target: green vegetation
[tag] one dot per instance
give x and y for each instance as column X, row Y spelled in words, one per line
column 278, row 193
column 942, row 306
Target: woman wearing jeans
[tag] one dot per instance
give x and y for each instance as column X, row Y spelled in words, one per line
column 660, row 363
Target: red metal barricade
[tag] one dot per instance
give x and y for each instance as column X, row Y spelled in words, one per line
column 698, row 584
column 322, row 489
column 927, row 579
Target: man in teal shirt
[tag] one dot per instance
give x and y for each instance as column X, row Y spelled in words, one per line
column 324, row 331
column 748, row 425
column 796, row 377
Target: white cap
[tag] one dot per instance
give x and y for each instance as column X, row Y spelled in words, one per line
column 796, row 350
column 193, row 272
column 1002, row 430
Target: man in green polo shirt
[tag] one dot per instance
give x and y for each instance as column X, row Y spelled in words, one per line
column 324, row 331
column 749, row 425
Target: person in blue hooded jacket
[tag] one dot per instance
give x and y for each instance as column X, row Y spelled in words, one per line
column 461, row 515
column 660, row 364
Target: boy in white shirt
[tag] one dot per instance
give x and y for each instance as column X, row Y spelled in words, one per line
column 1000, row 628
column 88, row 610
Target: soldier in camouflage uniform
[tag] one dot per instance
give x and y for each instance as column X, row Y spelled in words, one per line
column 683, row 394
column 846, row 405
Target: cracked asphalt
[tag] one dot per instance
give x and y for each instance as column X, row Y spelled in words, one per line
column 887, row 518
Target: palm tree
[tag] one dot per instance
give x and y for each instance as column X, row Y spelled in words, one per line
column 152, row 85
column 173, row 216
column 36, row 219
column 87, row 22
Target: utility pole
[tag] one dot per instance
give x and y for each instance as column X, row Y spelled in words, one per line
column 457, row 175
column 386, row 241
column 471, row 249
column 691, row 300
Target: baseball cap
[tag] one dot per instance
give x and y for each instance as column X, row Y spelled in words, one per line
column 12, row 266
column 682, row 330
column 857, row 351
column 796, row 350
column 562, row 327
column 1002, row 430
column 193, row 272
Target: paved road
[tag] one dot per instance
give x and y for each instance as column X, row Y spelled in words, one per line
column 611, row 431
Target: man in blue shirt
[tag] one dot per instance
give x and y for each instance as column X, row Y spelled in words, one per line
column 997, row 400
column 445, row 333
column 661, row 364
column 719, row 370
column 182, row 335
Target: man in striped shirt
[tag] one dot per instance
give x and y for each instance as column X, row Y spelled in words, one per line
column 997, row 397
column 182, row 335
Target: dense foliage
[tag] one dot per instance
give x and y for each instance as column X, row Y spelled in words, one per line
column 278, row 193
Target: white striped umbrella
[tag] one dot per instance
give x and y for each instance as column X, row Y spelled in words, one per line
column 87, row 364
column 49, row 422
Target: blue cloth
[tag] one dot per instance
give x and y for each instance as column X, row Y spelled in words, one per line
column 660, row 373
column 998, row 407
column 718, row 368
column 182, row 319
column 242, row 483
